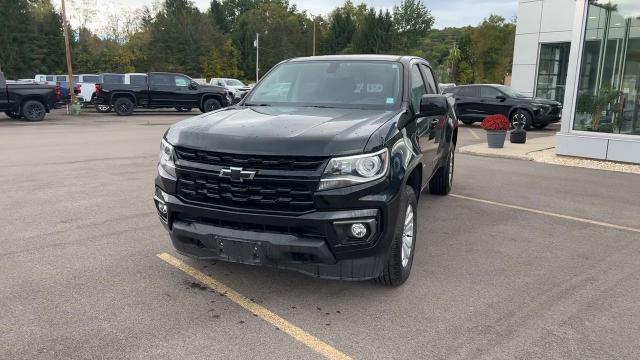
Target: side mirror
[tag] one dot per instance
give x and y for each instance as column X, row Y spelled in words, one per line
column 193, row 85
column 240, row 97
column 433, row 105
column 502, row 98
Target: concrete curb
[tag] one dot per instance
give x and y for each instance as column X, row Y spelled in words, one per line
column 511, row 151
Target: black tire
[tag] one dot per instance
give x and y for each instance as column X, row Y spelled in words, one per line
column 183, row 109
column 13, row 115
column 210, row 105
column 528, row 118
column 442, row 180
column 33, row 110
column 395, row 273
column 468, row 122
column 123, row 106
column 103, row 108
column 540, row 126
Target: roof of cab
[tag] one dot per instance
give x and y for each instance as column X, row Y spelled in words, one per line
column 371, row 57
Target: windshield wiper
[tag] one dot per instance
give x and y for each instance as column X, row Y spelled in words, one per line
column 319, row 106
column 257, row 105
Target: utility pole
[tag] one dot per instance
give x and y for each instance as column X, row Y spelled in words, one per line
column 67, row 47
column 314, row 36
column 257, row 57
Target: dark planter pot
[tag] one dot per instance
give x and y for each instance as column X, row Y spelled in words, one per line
column 495, row 139
column 518, row 136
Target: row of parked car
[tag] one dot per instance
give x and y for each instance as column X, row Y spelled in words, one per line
column 119, row 92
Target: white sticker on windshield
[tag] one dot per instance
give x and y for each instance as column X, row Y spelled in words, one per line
column 374, row 88
column 390, row 101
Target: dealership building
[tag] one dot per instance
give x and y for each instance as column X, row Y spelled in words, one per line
column 585, row 54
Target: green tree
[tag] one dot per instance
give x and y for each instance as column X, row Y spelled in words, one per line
column 412, row 20
column 342, row 26
column 375, row 34
column 492, row 43
column 225, row 63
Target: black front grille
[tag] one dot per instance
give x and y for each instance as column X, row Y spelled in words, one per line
column 251, row 162
column 555, row 111
column 259, row 194
column 300, row 231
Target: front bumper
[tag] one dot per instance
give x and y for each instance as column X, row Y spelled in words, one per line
column 316, row 243
column 547, row 115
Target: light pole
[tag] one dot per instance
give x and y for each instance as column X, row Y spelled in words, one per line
column 257, row 57
column 67, row 48
column 314, row 35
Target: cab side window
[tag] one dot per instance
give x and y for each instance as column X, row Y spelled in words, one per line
column 161, row 80
column 182, row 81
column 418, row 88
column 489, row 92
column 432, row 88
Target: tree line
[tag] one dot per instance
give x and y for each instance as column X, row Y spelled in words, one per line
column 220, row 42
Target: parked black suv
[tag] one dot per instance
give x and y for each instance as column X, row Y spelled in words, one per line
column 161, row 90
column 475, row 102
column 318, row 170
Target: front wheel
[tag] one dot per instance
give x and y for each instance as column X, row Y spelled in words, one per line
column 211, row 105
column 33, row 110
column 400, row 257
column 523, row 117
column 13, row 115
column 124, row 106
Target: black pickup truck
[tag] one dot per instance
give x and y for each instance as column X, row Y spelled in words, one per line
column 26, row 100
column 319, row 169
column 162, row 90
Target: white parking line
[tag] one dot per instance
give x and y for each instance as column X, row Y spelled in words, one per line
column 474, row 134
column 295, row 332
column 548, row 213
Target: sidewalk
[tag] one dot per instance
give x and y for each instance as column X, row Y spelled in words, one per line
column 542, row 150
column 512, row 151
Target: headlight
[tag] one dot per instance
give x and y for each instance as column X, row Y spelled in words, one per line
column 167, row 157
column 351, row 170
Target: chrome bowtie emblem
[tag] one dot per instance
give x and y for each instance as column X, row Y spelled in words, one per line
column 237, row 174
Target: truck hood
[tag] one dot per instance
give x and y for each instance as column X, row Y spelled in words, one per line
column 300, row 131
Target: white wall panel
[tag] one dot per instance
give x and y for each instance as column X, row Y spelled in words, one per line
column 529, row 17
column 557, row 15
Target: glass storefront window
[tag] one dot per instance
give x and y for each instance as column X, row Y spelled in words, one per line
column 609, row 87
column 552, row 71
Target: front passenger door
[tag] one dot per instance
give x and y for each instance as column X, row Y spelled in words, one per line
column 185, row 95
column 423, row 125
column 490, row 102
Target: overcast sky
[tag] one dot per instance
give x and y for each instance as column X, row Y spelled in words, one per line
column 447, row 12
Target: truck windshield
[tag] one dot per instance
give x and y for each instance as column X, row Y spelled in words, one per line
column 234, row 82
column 339, row 84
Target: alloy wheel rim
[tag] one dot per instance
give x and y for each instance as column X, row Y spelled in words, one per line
column 519, row 117
column 124, row 108
column 35, row 111
column 407, row 236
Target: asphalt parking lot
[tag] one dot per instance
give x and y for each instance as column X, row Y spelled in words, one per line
column 524, row 260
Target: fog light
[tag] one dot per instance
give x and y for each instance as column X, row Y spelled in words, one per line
column 359, row 230
column 162, row 207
